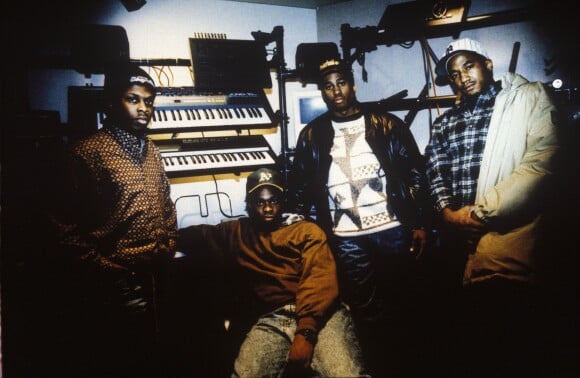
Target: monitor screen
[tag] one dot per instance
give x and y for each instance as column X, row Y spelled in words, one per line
column 229, row 64
column 310, row 108
column 307, row 106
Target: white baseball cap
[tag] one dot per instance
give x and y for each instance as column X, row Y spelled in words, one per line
column 456, row 47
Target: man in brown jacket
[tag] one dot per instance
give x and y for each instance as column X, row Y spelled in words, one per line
column 286, row 274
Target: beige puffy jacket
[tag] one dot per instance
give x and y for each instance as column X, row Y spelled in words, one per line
column 517, row 161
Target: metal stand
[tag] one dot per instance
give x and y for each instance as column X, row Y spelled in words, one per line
column 282, row 75
column 366, row 39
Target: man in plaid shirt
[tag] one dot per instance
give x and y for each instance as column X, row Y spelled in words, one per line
column 490, row 158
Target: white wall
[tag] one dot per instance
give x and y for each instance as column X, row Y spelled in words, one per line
column 392, row 69
column 160, row 30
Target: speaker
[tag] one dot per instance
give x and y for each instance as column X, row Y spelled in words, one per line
column 309, row 57
column 96, row 46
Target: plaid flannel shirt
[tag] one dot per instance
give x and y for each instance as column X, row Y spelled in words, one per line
column 455, row 151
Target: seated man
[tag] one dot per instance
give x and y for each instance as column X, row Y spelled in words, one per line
column 287, row 276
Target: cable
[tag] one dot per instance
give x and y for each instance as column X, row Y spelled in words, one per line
column 160, row 72
column 217, row 192
column 170, row 70
column 425, row 57
column 432, row 73
column 198, row 201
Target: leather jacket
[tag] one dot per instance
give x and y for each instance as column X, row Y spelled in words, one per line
column 396, row 150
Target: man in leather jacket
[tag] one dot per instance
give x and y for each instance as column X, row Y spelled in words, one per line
column 359, row 168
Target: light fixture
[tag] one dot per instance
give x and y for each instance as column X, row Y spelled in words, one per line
column 133, row 5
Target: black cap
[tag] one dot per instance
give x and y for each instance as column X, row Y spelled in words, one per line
column 333, row 65
column 264, row 177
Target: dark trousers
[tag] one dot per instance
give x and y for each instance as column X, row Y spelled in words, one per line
column 371, row 264
column 109, row 329
column 387, row 291
column 499, row 327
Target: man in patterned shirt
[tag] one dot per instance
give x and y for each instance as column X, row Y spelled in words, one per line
column 359, row 167
column 489, row 159
column 117, row 227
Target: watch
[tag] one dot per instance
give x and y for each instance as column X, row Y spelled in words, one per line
column 310, row 335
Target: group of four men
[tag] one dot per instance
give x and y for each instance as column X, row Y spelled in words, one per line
column 316, row 257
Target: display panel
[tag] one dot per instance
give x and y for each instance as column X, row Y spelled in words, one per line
column 229, row 64
column 307, row 106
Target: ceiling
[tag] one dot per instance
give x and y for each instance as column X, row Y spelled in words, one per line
column 312, row 4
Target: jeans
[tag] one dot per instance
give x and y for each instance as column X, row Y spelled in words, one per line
column 370, row 265
column 265, row 349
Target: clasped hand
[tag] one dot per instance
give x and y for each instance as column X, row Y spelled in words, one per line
column 300, row 357
column 463, row 218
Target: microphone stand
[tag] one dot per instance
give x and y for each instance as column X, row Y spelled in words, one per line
column 282, row 74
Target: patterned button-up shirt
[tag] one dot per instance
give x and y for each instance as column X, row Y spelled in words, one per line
column 455, row 151
column 120, row 212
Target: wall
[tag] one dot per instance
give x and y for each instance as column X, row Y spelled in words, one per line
column 41, row 29
column 161, row 28
column 394, row 68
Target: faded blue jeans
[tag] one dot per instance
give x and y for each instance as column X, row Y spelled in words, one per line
column 264, row 351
